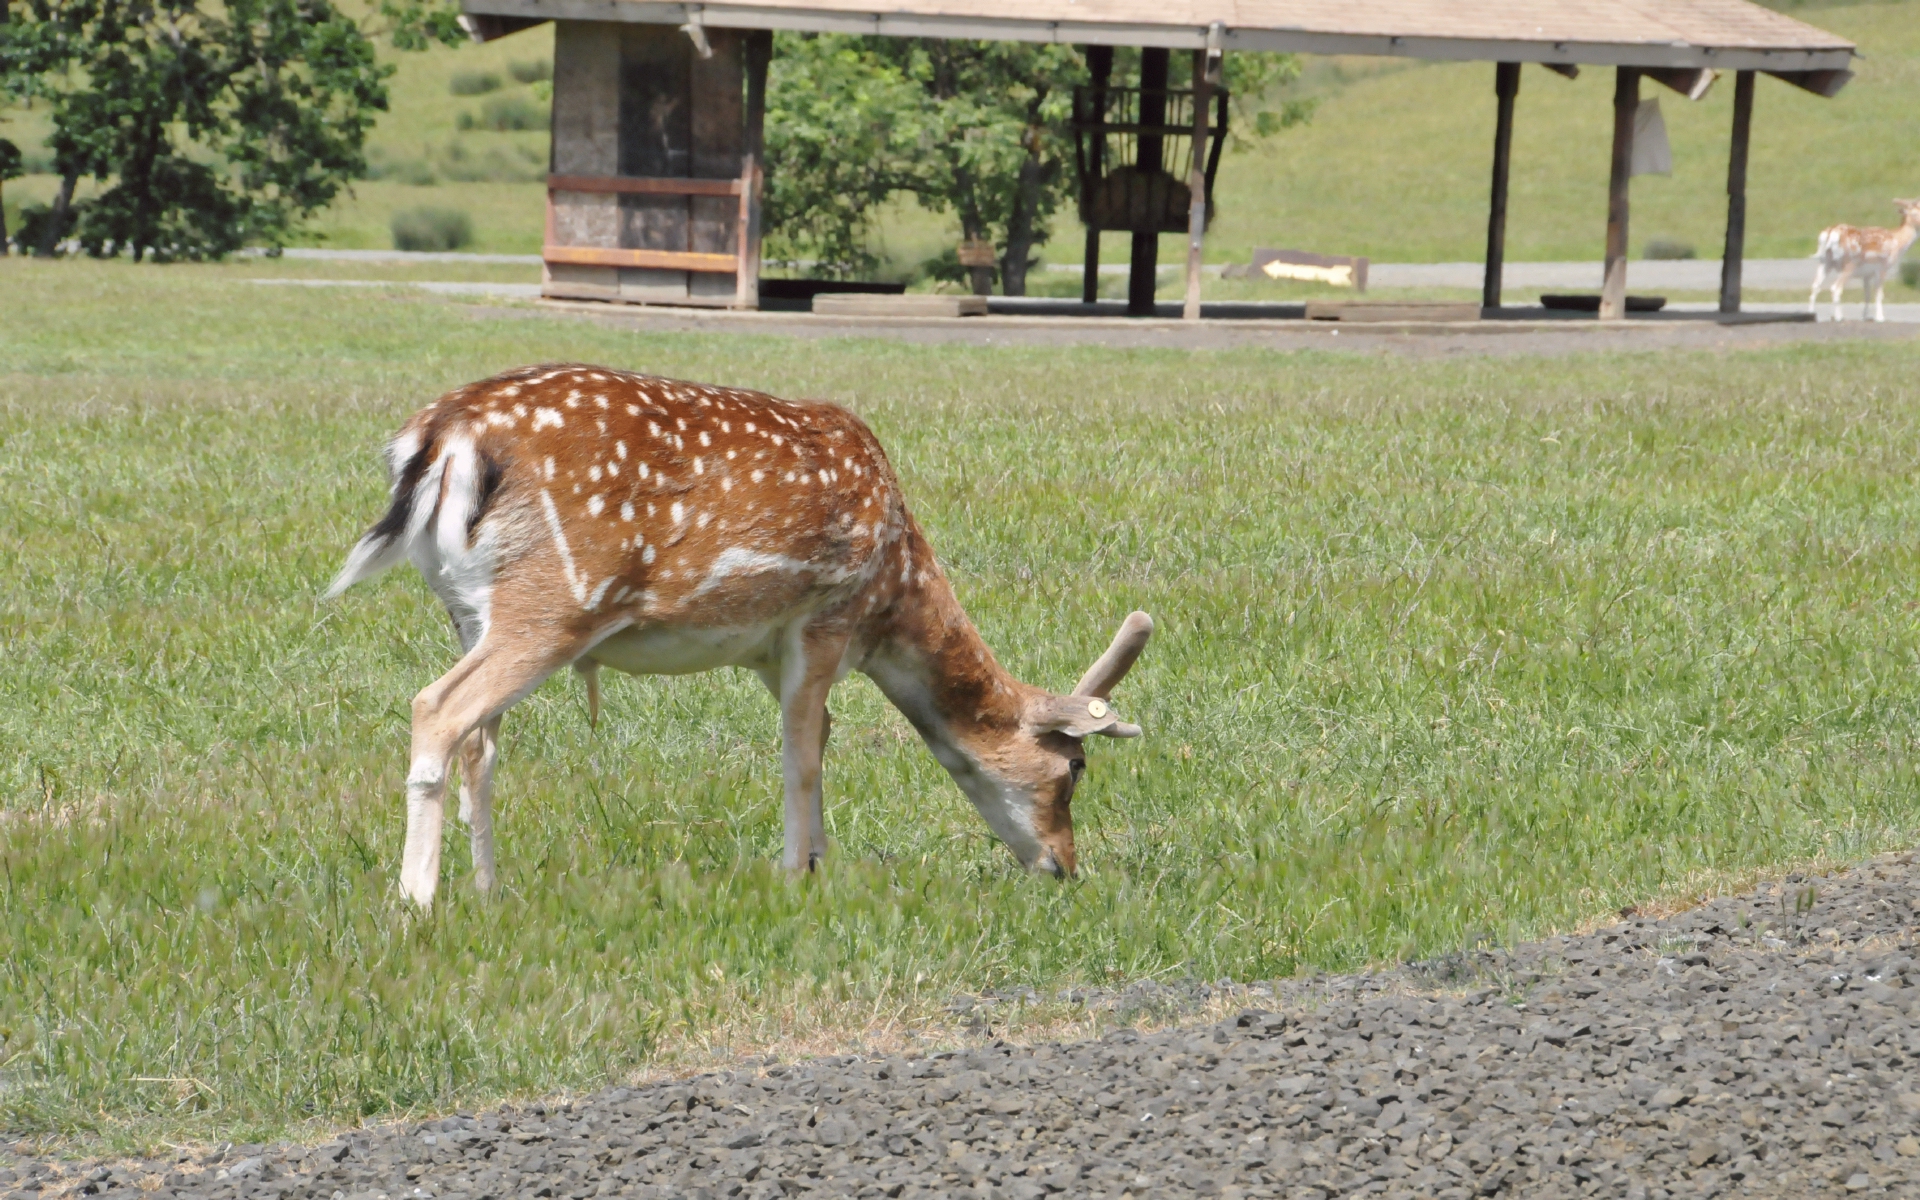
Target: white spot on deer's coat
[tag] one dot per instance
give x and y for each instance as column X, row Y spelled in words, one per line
column 704, row 518
column 626, row 510
column 593, row 472
column 736, row 560
column 758, row 475
column 574, row 583
column 704, row 439
column 600, row 592
column 633, row 410
column 620, row 448
column 646, row 556
column 520, row 410
column 679, row 512
column 600, row 400
column 543, row 417
column 749, row 426
column 573, row 399
column 613, row 468
column 595, row 505
column 778, row 440
column 726, row 484
column 823, row 477
column 653, row 428
column 726, row 426
column 699, row 468
column 549, row 466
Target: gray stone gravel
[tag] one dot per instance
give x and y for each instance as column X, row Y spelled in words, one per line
column 1763, row 1045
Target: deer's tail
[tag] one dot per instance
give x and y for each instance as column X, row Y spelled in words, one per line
column 442, row 486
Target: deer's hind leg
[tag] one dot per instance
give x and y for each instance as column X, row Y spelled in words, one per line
column 1840, row 280
column 1820, row 270
column 477, row 756
column 485, row 683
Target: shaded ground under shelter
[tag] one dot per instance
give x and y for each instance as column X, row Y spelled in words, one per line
column 657, row 169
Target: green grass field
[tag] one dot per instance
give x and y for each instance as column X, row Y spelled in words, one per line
column 1394, row 164
column 1446, row 650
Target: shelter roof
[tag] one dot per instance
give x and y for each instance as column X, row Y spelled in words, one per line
column 1722, row 34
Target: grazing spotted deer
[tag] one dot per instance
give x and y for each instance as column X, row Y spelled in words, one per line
column 580, row 516
column 1874, row 253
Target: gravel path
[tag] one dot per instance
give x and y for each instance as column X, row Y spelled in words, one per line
column 1758, row 1045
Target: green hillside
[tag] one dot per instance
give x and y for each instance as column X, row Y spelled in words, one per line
column 1394, row 164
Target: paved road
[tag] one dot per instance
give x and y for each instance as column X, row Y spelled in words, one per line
column 1761, row 1045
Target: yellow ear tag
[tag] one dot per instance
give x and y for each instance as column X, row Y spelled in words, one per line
column 1097, row 709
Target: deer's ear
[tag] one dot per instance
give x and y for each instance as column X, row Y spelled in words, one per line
column 1077, row 717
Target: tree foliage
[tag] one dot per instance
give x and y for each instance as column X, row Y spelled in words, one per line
column 978, row 129
column 209, row 123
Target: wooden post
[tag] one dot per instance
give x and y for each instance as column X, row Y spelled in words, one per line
column 1732, row 258
column 1206, row 71
column 1100, row 67
column 1626, row 102
column 759, row 53
column 1145, row 266
column 1506, row 85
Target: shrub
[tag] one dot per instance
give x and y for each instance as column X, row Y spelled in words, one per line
column 473, row 83
column 1660, row 248
column 1910, row 274
column 505, row 113
column 431, row 229
column 531, row 71
column 417, row 172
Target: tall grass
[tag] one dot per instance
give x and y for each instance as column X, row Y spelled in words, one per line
column 1445, row 650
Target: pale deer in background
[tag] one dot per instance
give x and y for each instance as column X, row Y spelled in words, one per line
column 581, row 516
column 1873, row 253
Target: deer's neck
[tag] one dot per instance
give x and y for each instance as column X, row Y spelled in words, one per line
column 931, row 662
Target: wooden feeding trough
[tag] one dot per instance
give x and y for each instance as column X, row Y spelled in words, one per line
column 1125, row 139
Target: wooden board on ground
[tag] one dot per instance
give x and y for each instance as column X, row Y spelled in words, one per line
column 1409, row 310
column 857, row 305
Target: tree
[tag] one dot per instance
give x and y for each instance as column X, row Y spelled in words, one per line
column 209, row 124
column 10, row 168
column 844, row 131
column 980, row 129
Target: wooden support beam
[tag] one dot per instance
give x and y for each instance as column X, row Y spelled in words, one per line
column 758, row 54
column 1734, row 256
column 1506, row 86
column 1144, row 274
column 1626, row 102
column 658, row 260
column 1100, row 67
column 618, row 185
column 1206, row 76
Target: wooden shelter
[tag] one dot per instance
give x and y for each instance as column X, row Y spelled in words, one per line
column 658, row 107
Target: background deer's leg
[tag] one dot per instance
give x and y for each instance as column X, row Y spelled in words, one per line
column 1840, row 290
column 479, row 688
column 1819, row 281
column 1879, row 283
column 477, row 756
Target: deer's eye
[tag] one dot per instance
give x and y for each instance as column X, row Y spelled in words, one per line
column 1076, row 766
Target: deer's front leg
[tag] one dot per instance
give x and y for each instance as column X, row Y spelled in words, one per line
column 806, row 675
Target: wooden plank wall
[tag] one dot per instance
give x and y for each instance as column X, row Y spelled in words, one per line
column 634, row 100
